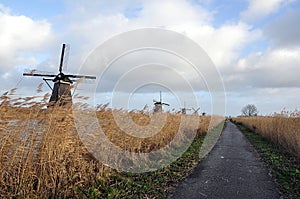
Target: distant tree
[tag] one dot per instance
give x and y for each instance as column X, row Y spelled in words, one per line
column 250, row 110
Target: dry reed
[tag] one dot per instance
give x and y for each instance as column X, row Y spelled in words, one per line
column 41, row 155
column 282, row 129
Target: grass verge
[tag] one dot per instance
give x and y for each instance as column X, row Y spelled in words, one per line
column 284, row 166
column 156, row 184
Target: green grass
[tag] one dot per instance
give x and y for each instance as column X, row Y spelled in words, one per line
column 156, row 184
column 284, row 166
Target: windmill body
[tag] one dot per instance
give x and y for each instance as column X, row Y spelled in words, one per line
column 157, row 107
column 158, row 104
column 61, row 91
column 184, row 109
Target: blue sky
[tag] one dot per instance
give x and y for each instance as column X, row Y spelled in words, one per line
column 254, row 44
column 35, row 9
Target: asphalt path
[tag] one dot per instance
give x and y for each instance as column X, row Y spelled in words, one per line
column 232, row 169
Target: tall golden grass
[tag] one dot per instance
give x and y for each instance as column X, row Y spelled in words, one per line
column 41, row 155
column 282, row 129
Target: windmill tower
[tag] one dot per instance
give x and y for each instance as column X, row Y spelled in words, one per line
column 158, row 104
column 61, row 91
column 184, row 109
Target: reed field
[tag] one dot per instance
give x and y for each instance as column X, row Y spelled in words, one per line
column 41, row 155
column 282, row 129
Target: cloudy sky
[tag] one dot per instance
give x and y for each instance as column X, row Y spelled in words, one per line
column 254, row 45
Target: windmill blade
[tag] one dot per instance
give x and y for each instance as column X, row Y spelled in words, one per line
column 81, row 76
column 5, row 93
column 196, row 110
column 37, row 74
column 160, row 97
column 66, row 57
column 165, row 104
column 62, row 58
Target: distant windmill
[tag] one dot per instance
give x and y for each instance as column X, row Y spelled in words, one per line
column 158, row 104
column 61, row 91
column 196, row 111
column 184, row 109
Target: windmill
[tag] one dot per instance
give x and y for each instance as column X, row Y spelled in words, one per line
column 196, row 111
column 158, row 104
column 61, row 91
column 184, row 109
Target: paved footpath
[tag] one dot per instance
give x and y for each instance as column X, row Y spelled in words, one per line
column 231, row 170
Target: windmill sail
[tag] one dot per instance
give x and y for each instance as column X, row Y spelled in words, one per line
column 61, row 91
column 37, row 74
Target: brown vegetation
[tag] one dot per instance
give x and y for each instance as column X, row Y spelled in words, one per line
column 282, row 129
column 42, row 156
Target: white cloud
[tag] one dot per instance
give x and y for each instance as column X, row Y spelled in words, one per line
column 223, row 44
column 258, row 9
column 275, row 68
column 86, row 24
column 171, row 13
column 19, row 37
column 283, row 31
column 95, row 24
column 20, row 34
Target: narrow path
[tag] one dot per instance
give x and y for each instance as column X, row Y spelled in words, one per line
column 231, row 170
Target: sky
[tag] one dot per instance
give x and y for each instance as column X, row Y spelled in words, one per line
column 254, row 45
